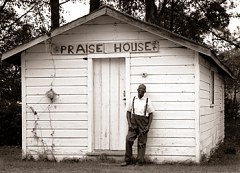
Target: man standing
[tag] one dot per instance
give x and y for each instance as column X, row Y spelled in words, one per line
column 139, row 117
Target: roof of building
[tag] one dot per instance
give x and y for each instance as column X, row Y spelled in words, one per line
column 14, row 54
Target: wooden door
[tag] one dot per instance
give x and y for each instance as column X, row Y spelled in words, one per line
column 109, row 104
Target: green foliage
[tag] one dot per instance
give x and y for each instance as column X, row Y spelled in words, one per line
column 10, row 124
column 232, row 86
column 13, row 32
column 204, row 21
column 10, row 83
column 10, row 108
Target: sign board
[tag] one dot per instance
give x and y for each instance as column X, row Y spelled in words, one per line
column 100, row 48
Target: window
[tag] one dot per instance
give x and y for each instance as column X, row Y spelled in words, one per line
column 212, row 88
column 222, row 98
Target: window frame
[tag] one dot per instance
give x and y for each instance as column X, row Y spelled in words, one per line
column 212, row 88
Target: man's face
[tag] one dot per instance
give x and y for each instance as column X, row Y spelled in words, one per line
column 141, row 92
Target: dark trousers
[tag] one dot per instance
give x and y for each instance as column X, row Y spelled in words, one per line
column 137, row 131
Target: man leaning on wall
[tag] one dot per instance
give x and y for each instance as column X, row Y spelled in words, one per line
column 139, row 117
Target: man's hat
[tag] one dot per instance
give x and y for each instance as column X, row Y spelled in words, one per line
column 142, row 86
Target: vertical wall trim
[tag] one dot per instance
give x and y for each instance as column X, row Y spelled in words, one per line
column 90, row 105
column 223, row 101
column 197, row 106
column 24, row 111
column 128, row 79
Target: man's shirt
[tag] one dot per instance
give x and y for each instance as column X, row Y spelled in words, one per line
column 139, row 106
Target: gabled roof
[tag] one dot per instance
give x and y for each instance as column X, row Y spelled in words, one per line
column 106, row 10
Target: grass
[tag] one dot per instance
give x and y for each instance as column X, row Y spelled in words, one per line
column 10, row 161
column 225, row 160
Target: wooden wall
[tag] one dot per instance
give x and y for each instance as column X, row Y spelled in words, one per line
column 211, row 115
column 59, row 128
column 63, row 125
column 170, row 86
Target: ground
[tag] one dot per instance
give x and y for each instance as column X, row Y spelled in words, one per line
column 226, row 160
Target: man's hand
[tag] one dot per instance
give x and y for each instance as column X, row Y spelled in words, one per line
column 129, row 119
column 150, row 117
column 146, row 129
column 130, row 126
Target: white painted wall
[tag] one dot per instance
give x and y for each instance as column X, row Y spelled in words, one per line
column 211, row 116
column 59, row 129
column 170, row 85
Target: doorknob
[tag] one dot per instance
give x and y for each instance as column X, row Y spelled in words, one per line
column 124, row 95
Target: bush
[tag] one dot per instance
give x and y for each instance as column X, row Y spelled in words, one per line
column 232, row 109
column 10, row 124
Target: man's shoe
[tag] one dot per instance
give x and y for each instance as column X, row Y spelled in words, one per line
column 125, row 164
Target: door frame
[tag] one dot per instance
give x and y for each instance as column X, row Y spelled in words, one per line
column 90, row 57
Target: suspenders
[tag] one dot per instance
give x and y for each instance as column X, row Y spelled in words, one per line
column 145, row 111
column 133, row 105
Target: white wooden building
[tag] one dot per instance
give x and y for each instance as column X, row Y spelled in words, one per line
column 94, row 65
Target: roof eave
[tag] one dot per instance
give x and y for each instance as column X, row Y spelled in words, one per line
column 156, row 30
column 23, row 47
column 151, row 28
column 55, row 32
column 221, row 65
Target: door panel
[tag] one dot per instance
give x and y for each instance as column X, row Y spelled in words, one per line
column 109, row 104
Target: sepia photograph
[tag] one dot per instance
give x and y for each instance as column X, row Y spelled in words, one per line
column 119, row 86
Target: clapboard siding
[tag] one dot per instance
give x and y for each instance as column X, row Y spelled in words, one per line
column 170, row 86
column 166, row 88
column 171, row 133
column 172, row 159
column 171, row 97
column 101, row 31
column 164, row 79
column 67, row 75
column 58, row 150
column 156, row 70
column 171, row 151
column 59, row 133
column 63, row 81
column 171, row 142
column 53, row 125
column 60, row 90
column 174, row 115
column 180, row 60
column 63, row 99
column 54, row 72
column 211, row 116
column 58, row 64
column 50, row 124
column 71, row 116
column 170, row 80
column 58, row 142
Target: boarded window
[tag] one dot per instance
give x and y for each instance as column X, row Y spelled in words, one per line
column 212, row 87
column 222, row 101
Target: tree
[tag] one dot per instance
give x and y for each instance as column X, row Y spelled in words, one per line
column 203, row 21
column 231, row 59
column 150, row 11
column 13, row 32
column 232, row 86
column 55, row 16
column 94, row 5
